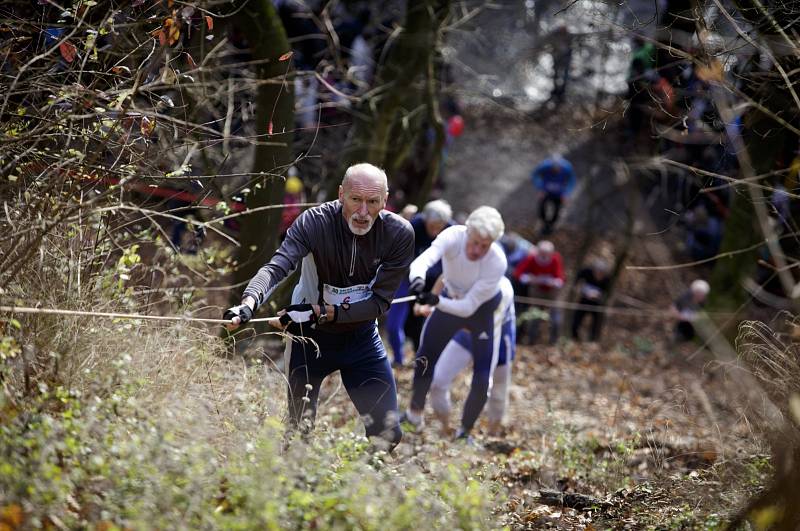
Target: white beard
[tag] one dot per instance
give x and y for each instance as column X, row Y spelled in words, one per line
column 357, row 230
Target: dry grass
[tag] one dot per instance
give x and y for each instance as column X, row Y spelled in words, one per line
column 772, row 354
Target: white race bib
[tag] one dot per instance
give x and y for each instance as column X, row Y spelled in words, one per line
column 348, row 295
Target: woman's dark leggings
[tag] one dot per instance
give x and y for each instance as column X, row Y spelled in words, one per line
column 548, row 216
column 580, row 315
column 439, row 328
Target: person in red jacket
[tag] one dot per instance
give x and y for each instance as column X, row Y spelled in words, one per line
column 542, row 271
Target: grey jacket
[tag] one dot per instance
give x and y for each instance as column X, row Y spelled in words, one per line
column 338, row 267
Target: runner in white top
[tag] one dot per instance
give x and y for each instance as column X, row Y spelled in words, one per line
column 473, row 265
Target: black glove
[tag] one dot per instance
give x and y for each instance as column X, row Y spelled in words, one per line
column 243, row 312
column 416, row 286
column 298, row 313
column 428, row 298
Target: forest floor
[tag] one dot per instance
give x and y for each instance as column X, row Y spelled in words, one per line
column 658, row 436
column 661, row 433
column 655, row 432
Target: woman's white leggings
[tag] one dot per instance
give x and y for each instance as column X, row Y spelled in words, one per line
column 457, row 357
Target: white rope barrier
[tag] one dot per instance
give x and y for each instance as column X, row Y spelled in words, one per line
column 115, row 315
column 549, row 303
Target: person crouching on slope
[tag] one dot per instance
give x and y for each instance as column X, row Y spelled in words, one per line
column 472, row 266
column 457, row 355
column 354, row 255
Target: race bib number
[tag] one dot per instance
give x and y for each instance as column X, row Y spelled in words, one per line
column 348, row 295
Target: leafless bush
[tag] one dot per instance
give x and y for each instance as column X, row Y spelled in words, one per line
column 97, row 105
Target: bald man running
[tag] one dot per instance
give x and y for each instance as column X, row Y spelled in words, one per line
column 354, row 255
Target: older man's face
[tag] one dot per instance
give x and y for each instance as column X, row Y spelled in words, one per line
column 362, row 198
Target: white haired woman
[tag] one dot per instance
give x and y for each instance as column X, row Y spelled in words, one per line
column 473, row 265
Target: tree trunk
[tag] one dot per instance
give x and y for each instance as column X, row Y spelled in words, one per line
column 764, row 141
column 370, row 138
column 776, row 92
column 440, row 137
column 741, row 231
column 258, row 238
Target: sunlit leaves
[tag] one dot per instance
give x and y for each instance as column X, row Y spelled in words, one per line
column 173, row 30
column 168, row 76
column 91, row 45
column 180, row 172
column 766, row 518
column 9, row 348
column 147, row 126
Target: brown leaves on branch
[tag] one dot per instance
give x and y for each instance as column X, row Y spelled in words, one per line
column 121, row 70
column 170, row 31
column 68, row 51
column 190, row 61
column 173, row 30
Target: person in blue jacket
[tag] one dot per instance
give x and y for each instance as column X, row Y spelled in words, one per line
column 436, row 216
column 554, row 179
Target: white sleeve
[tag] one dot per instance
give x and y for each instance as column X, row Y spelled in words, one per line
column 419, row 267
column 484, row 289
column 507, row 294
